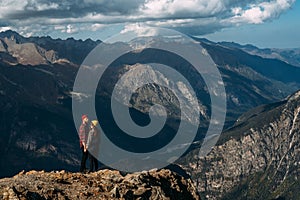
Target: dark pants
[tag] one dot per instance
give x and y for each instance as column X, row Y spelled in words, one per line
column 83, row 160
column 93, row 163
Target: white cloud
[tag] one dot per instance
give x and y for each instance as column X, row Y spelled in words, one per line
column 8, row 6
column 97, row 26
column 194, row 17
column 258, row 13
column 178, row 8
column 59, row 27
column 139, row 30
column 70, row 29
column 40, row 7
column 5, row 28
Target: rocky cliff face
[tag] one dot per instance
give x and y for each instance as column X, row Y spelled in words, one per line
column 26, row 53
column 104, row 184
column 259, row 158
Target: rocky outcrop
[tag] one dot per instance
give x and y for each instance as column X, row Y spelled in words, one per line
column 257, row 159
column 104, row 184
column 45, row 50
column 27, row 53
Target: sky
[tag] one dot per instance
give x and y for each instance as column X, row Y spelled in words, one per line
column 264, row 23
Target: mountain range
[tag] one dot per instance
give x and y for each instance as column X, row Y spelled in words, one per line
column 290, row 56
column 36, row 83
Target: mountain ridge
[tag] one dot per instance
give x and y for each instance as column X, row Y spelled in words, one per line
column 54, row 50
column 288, row 55
column 256, row 159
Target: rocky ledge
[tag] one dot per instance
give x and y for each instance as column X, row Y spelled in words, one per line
column 104, row 184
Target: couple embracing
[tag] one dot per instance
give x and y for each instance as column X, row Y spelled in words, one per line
column 89, row 136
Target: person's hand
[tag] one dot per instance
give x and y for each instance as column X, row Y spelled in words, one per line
column 84, row 149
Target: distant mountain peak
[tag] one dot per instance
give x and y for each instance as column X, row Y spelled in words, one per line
column 9, row 32
column 43, row 50
column 11, row 35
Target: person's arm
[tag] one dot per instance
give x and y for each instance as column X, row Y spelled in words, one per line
column 89, row 140
column 82, row 136
column 99, row 136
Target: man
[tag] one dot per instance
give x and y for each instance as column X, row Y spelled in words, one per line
column 93, row 145
column 83, row 134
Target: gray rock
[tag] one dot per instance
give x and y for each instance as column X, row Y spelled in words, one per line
column 257, row 159
column 157, row 184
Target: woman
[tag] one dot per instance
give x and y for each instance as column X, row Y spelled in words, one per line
column 93, row 147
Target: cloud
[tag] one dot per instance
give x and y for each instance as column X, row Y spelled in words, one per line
column 139, row 30
column 70, row 29
column 96, row 26
column 4, row 28
column 195, row 17
column 258, row 13
column 180, row 9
